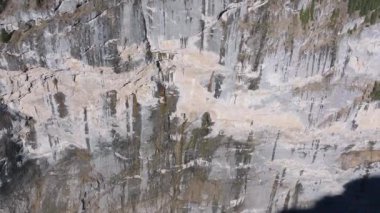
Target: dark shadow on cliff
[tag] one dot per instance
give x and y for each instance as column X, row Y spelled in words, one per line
column 15, row 168
column 361, row 195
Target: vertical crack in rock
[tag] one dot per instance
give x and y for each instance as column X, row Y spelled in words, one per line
column 202, row 24
column 148, row 52
column 296, row 194
column 273, row 192
column 275, row 145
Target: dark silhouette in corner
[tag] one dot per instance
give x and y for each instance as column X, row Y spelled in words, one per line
column 360, row 196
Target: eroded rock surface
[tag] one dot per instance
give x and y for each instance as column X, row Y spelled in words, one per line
column 185, row 106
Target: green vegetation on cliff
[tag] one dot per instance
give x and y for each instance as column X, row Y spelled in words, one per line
column 363, row 6
column 368, row 8
column 307, row 14
column 375, row 94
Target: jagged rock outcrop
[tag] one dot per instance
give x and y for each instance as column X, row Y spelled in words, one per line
column 171, row 106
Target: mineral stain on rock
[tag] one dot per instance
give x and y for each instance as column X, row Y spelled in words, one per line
column 111, row 100
column 353, row 159
column 60, row 99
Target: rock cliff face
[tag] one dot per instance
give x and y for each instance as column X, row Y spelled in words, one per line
column 186, row 105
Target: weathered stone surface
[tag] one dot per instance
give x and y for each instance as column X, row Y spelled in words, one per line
column 185, row 106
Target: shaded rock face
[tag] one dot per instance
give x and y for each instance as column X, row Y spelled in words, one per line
column 91, row 32
column 11, row 146
column 185, row 106
column 358, row 196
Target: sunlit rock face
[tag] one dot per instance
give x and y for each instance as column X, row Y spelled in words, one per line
column 184, row 105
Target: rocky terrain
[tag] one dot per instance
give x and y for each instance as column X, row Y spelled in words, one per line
column 186, row 105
